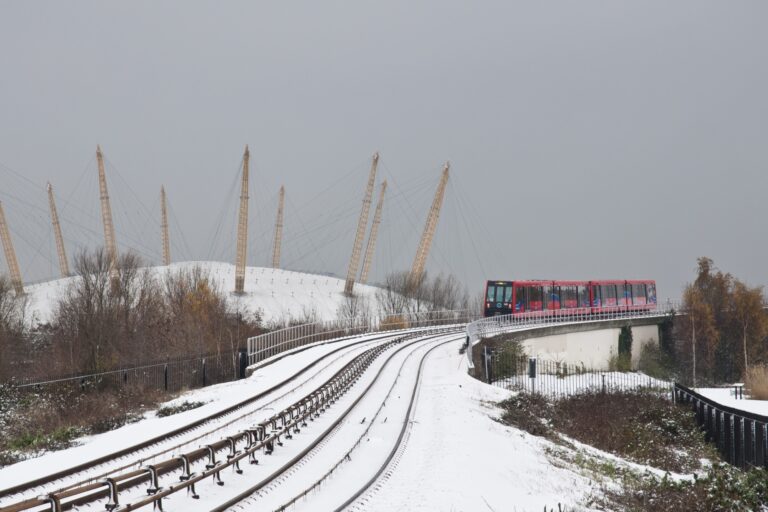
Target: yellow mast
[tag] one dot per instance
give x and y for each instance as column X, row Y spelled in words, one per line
column 164, row 228
column 63, row 263
column 10, row 254
column 106, row 215
column 420, row 261
column 242, row 228
column 372, row 236
column 362, row 223
column 278, row 230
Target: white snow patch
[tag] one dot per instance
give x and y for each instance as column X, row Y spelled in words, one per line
column 725, row 396
column 274, row 293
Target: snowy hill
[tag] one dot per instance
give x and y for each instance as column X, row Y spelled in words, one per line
column 277, row 294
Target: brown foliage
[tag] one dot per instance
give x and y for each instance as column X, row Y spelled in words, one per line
column 723, row 326
column 108, row 319
column 756, row 382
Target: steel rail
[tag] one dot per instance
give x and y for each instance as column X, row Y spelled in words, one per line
column 316, row 400
column 173, row 433
column 421, row 337
column 404, row 428
column 346, row 455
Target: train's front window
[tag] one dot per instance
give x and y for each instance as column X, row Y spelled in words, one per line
column 507, row 294
column 491, row 293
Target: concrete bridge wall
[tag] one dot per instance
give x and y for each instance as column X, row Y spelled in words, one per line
column 590, row 344
column 592, row 348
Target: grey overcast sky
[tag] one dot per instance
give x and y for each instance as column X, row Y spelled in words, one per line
column 588, row 139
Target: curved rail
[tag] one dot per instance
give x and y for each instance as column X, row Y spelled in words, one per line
column 403, row 429
column 167, row 435
column 347, row 454
column 264, row 482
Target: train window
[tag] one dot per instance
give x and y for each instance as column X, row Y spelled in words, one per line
column 507, row 294
column 535, row 302
column 624, row 294
column 608, row 294
column 638, row 294
column 651, row 293
column 547, row 297
column 521, row 302
column 597, row 299
column 491, row 293
column 583, row 296
column 568, row 297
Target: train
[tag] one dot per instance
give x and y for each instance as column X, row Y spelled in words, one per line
column 592, row 297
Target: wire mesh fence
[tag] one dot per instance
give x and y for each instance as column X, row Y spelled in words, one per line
column 559, row 380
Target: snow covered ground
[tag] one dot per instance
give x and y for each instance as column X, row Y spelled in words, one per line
column 216, row 398
column 277, row 294
column 725, row 396
column 455, row 456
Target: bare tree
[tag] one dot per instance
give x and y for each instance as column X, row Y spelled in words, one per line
column 354, row 311
column 13, row 327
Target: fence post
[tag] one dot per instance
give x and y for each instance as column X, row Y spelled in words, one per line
column 243, row 362
column 165, row 377
column 204, row 372
column 485, row 359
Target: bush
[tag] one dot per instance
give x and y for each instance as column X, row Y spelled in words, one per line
column 31, row 422
column 176, row 409
column 527, row 412
column 655, row 362
column 722, row 488
column 756, row 381
column 620, row 362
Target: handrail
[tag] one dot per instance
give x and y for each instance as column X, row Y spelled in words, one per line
column 266, row 345
column 492, row 326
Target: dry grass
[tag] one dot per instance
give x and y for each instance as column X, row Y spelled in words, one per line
column 756, row 382
column 36, row 421
column 394, row 322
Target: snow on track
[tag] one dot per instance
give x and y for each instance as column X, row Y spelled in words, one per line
column 458, row 458
column 219, row 397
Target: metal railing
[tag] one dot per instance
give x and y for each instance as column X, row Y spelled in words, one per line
column 276, row 342
column 495, row 325
column 741, row 437
column 556, row 379
column 168, row 375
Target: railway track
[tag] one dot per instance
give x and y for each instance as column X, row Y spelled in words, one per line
column 207, row 461
column 148, row 449
column 396, row 448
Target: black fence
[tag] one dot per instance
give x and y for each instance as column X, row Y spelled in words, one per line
column 171, row 375
column 555, row 379
column 741, row 437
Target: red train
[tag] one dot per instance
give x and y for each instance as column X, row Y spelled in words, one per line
column 520, row 297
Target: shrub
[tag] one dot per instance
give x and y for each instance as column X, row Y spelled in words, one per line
column 176, row 409
column 655, row 362
column 756, row 381
column 620, row 362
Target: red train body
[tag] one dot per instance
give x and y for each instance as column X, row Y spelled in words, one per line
column 536, row 297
